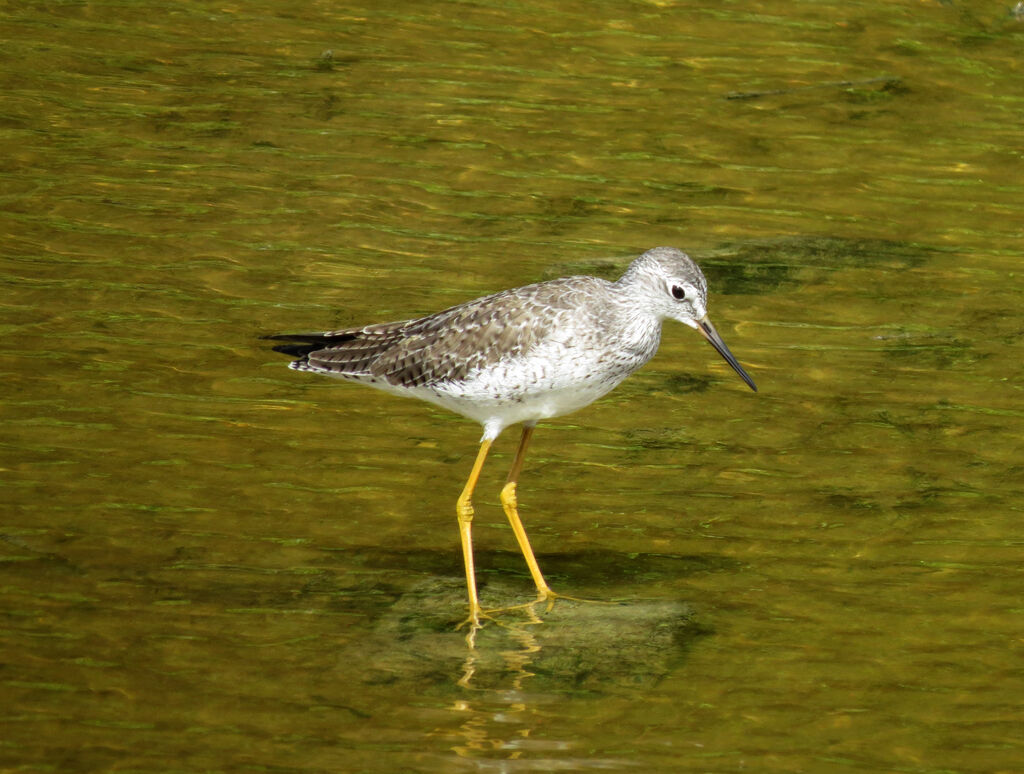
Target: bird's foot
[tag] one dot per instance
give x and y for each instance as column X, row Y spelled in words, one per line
column 475, row 622
column 545, row 597
column 548, row 597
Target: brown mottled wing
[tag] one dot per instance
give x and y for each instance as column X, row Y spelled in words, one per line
column 448, row 345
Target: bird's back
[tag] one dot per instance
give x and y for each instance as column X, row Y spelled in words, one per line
column 449, row 346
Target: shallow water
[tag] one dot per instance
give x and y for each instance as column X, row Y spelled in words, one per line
column 213, row 563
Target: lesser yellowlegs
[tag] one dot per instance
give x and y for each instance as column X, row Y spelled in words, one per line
column 520, row 356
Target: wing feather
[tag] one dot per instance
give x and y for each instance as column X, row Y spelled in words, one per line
column 445, row 346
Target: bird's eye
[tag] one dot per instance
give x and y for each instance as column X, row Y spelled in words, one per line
column 678, row 293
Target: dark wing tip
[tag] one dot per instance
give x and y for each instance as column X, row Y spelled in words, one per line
column 301, row 344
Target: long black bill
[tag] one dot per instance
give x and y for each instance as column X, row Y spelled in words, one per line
column 708, row 331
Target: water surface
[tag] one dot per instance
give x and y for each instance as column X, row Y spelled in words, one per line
column 213, row 563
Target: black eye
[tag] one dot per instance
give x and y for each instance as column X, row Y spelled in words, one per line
column 678, row 293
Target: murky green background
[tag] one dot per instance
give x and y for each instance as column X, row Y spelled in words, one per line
column 211, row 563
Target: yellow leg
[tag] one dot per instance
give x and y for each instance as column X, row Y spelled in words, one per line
column 511, row 506
column 464, row 511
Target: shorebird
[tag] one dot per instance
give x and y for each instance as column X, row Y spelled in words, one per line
column 520, row 356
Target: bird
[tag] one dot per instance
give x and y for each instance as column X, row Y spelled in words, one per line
column 518, row 357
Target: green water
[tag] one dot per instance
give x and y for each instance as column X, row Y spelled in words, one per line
column 211, row 563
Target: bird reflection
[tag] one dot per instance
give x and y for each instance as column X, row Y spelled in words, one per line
column 498, row 719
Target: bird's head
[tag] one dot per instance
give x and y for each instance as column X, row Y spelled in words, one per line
column 677, row 290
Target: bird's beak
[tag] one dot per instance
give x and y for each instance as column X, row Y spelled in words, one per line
column 708, row 331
